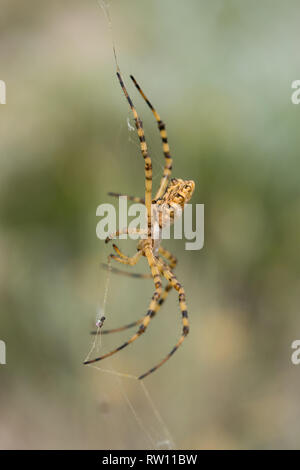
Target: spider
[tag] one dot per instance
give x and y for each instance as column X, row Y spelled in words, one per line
column 171, row 194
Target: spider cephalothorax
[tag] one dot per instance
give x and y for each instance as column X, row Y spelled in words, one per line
column 171, row 204
column 168, row 203
column 178, row 192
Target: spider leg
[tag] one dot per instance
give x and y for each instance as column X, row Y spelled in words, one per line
column 139, row 321
column 143, row 326
column 130, row 198
column 131, row 261
column 144, row 150
column 164, row 138
column 151, row 311
column 125, row 273
column 185, row 324
column 124, row 231
column 168, row 256
column 162, row 251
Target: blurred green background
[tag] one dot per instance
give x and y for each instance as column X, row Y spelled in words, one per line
column 220, row 75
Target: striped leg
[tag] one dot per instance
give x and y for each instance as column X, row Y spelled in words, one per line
column 124, row 231
column 154, row 266
column 130, row 198
column 139, row 321
column 164, row 138
column 150, row 313
column 168, row 256
column 162, row 251
column 185, row 324
column 143, row 326
column 131, row 261
column 144, row 150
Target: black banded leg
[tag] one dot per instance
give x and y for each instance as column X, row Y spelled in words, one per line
column 130, row 261
column 154, row 264
column 151, row 311
column 184, row 315
column 144, row 150
column 139, row 321
column 164, row 138
column 143, row 326
column 168, row 256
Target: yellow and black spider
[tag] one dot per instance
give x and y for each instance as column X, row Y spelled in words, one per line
column 170, row 195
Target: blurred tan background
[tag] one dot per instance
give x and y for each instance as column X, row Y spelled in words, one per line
column 220, row 75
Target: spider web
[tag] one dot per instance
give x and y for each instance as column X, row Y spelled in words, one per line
column 165, row 438
column 132, row 135
column 160, row 436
